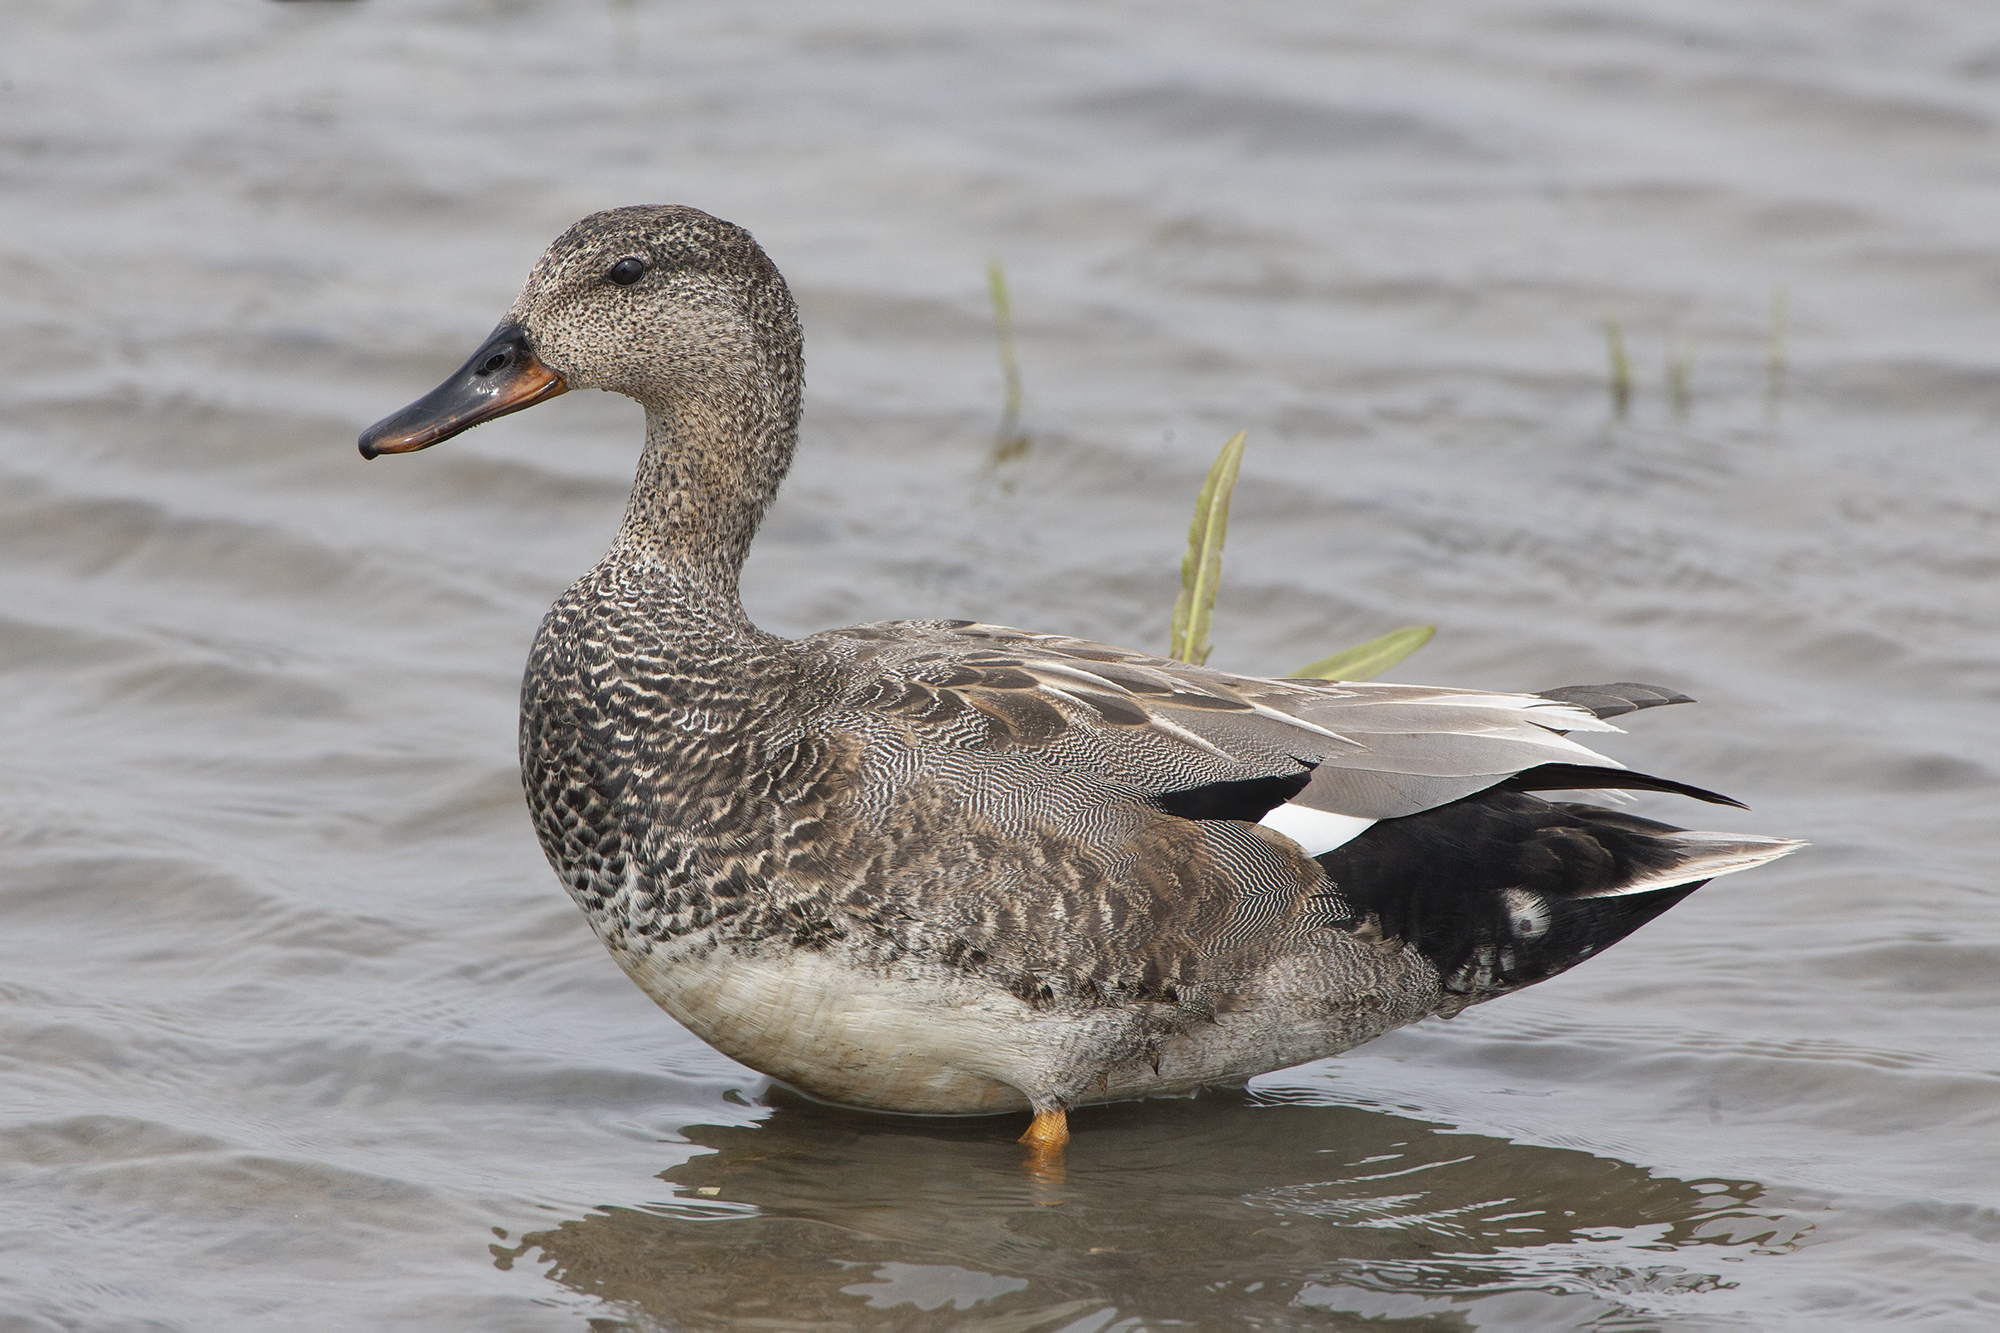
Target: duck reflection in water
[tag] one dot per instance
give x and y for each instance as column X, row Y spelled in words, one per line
column 1212, row 1212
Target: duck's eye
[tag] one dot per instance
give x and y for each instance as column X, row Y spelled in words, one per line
column 627, row 271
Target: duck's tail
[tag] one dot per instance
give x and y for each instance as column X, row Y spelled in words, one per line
column 1503, row 889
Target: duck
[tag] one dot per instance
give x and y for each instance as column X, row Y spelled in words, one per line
column 945, row 867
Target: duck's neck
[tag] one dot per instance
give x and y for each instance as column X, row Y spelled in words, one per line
column 710, row 470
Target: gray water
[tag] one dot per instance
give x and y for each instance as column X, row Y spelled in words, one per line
column 296, row 1029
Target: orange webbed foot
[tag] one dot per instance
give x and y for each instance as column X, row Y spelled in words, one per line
column 1047, row 1135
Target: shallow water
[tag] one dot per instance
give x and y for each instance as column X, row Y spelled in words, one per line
column 295, row 1027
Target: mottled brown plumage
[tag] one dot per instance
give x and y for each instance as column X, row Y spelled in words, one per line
column 942, row 866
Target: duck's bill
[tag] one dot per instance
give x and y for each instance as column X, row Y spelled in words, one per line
column 503, row 376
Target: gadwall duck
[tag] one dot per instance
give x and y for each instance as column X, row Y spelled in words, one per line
column 946, row 867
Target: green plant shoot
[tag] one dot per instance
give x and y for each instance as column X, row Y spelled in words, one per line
column 1621, row 368
column 1369, row 660
column 1201, row 567
column 1010, row 441
column 1201, row 576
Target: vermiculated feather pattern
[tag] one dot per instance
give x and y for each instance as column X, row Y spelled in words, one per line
column 936, row 865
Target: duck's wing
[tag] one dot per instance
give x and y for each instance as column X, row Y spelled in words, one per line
column 1081, row 737
column 1335, row 756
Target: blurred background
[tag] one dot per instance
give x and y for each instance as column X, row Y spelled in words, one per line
column 1640, row 340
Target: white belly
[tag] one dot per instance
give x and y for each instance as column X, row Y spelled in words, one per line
column 853, row 1035
column 933, row 1043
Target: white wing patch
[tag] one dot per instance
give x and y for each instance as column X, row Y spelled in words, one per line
column 1317, row 831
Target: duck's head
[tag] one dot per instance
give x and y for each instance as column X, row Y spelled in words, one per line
column 666, row 304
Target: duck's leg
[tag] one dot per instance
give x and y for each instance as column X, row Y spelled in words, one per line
column 1048, row 1133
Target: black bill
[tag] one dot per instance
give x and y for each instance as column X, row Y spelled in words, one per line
column 503, row 376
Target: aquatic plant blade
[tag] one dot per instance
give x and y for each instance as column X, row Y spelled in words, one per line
column 1010, row 441
column 996, row 287
column 1368, row 660
column 1621, row 368
column 1201, row 567
column 1003, row 329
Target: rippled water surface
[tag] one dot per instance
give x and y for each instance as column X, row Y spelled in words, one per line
column 296, row 1030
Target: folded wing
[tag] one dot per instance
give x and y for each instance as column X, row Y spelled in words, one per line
column 1193, row 737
